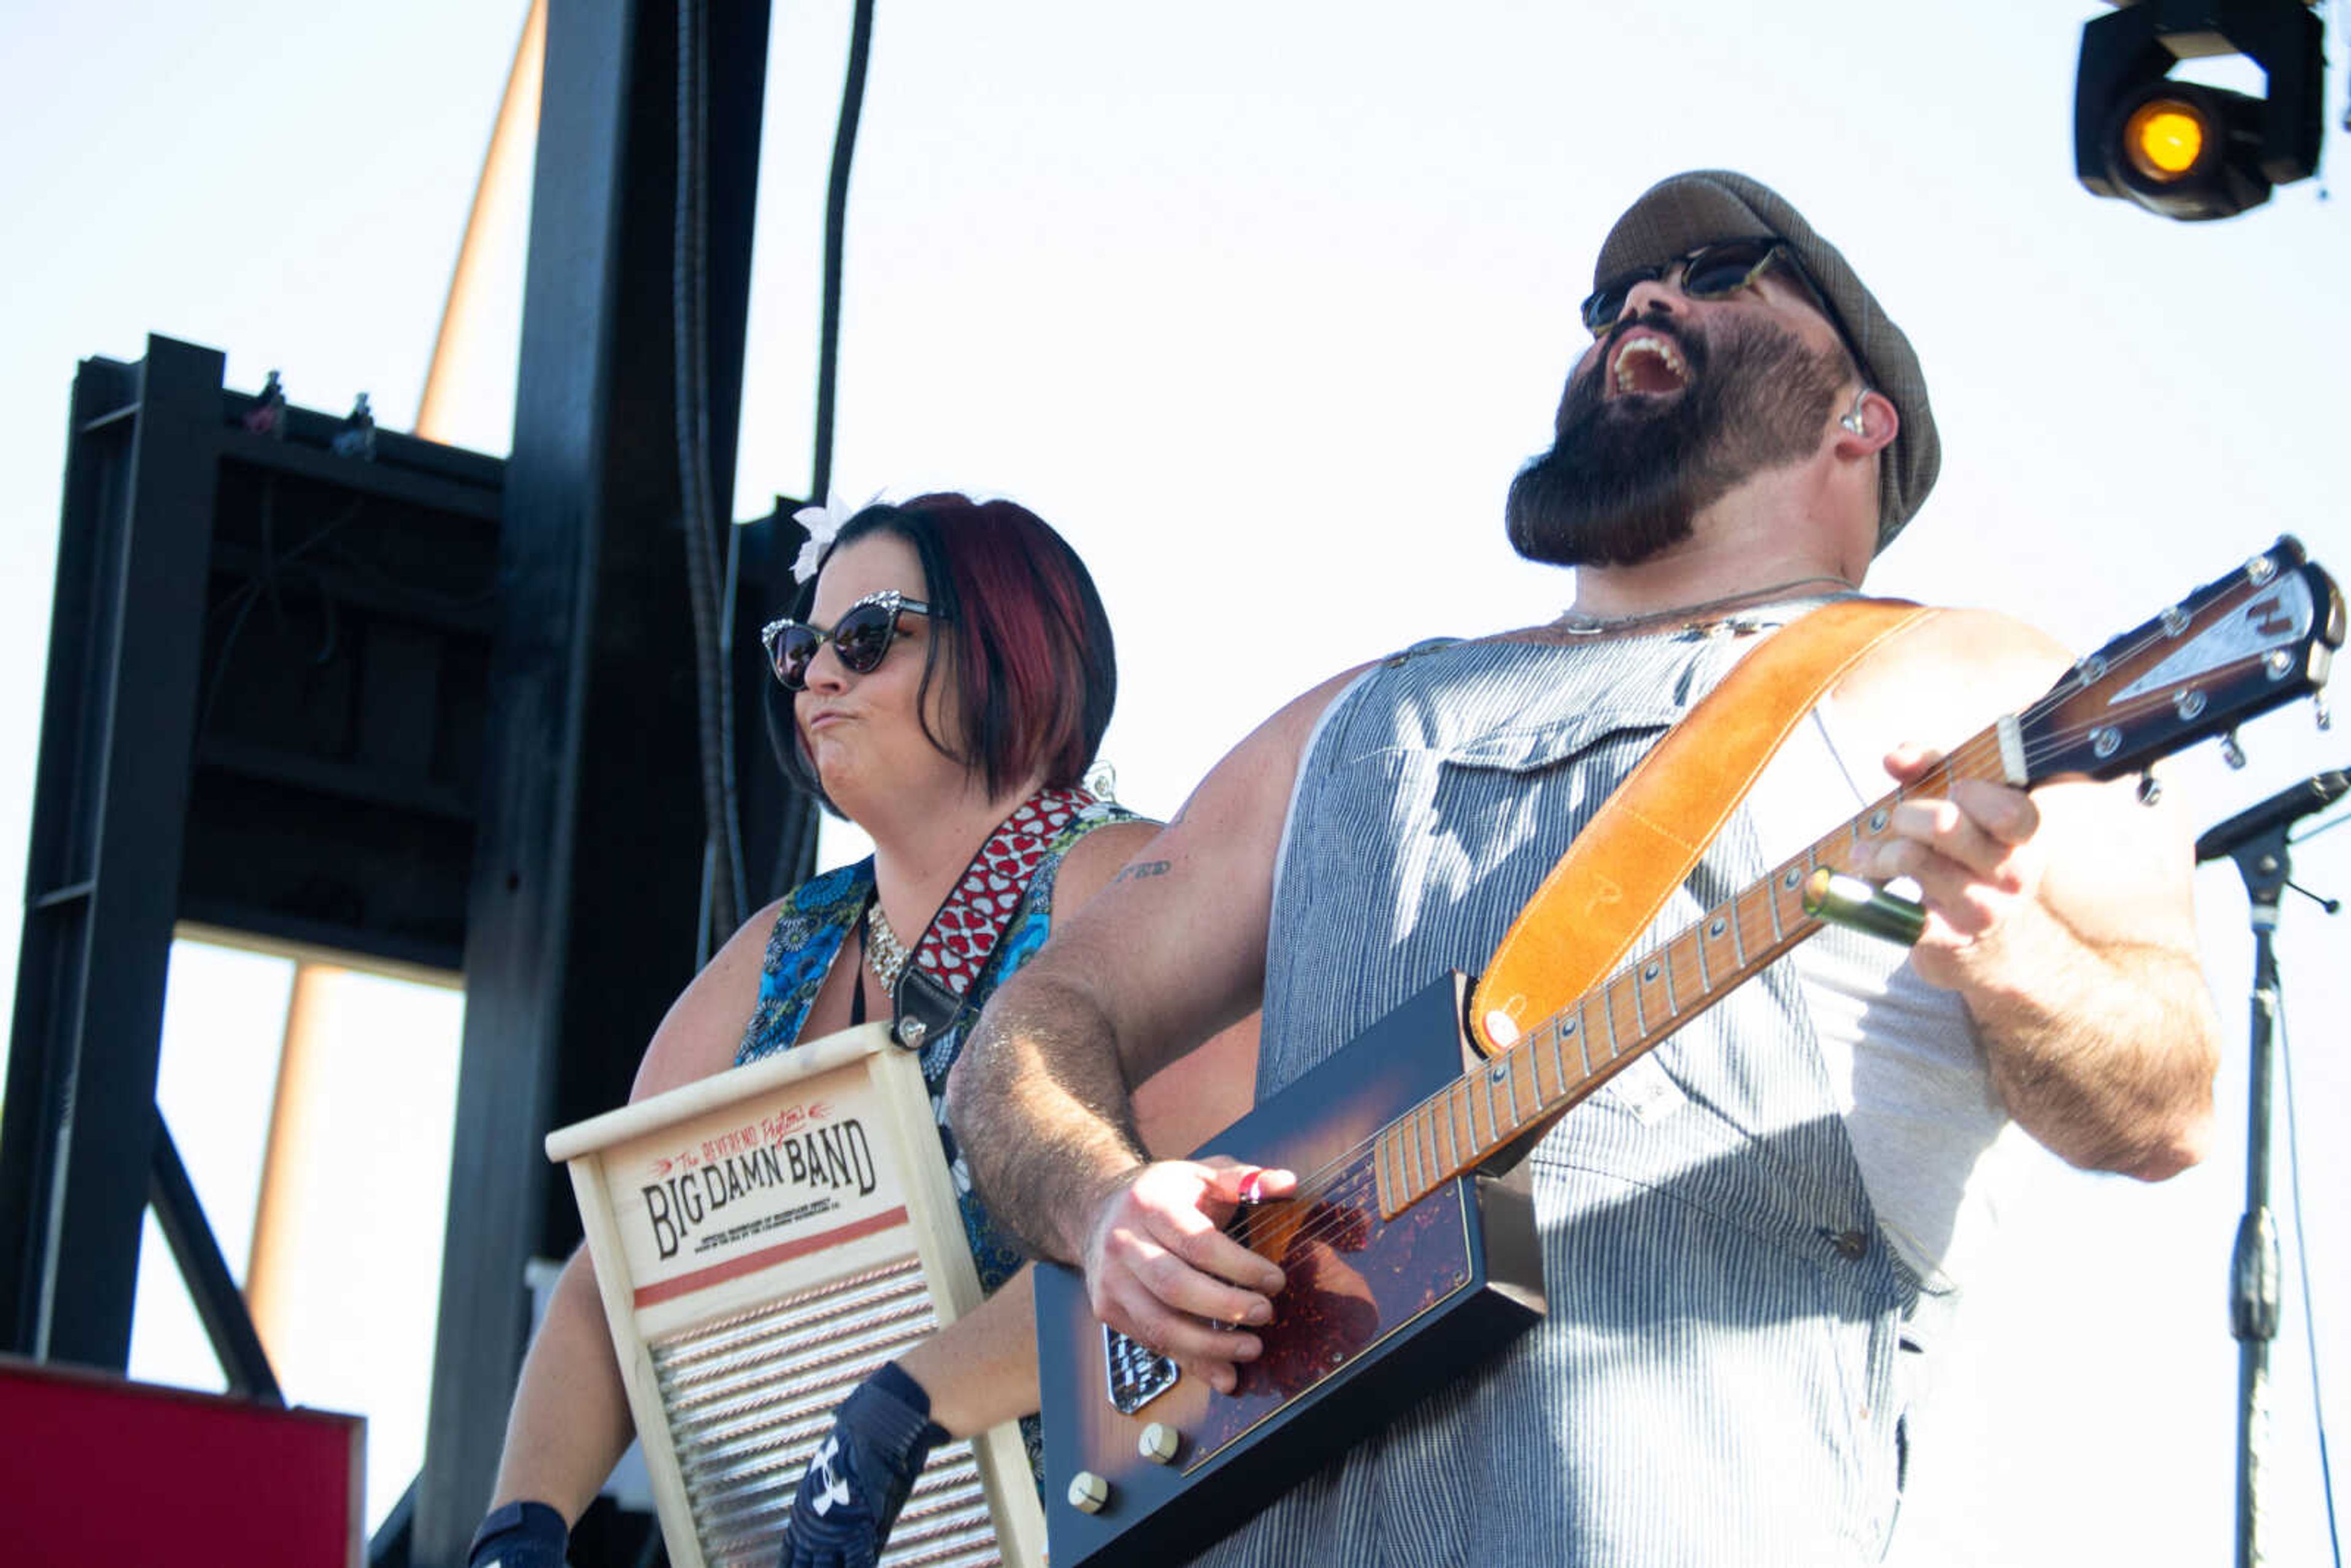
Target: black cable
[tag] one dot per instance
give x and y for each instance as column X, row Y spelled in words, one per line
column 263, row 584
column 2327, row 826
column 2301, row 1252
column 836, row 223
column 689, row 314
column 730, row 810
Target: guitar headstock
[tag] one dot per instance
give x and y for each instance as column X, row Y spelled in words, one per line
column 2254, row 640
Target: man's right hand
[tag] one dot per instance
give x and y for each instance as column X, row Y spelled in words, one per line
column 1160, row 1268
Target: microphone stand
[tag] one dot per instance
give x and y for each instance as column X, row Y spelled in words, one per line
column 2253, row 1269
column 2256, row 841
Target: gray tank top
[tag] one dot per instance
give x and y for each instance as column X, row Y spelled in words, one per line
column 1717, row 1378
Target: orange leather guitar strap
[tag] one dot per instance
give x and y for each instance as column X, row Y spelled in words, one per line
column 1607, row 888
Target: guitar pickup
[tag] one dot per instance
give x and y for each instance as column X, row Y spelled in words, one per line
column 1134, row 1374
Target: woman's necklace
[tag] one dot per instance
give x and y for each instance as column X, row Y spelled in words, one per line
column 884, row 951
column 1694, row 617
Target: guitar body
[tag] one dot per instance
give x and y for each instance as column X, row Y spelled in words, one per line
column 1376, row 1314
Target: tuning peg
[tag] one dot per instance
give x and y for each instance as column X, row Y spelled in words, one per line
column 2318, row 711
column 2230, row 752
column 2151, row 788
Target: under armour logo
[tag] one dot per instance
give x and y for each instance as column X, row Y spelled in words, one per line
column 835, row 1489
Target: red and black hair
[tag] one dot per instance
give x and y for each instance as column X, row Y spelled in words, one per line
column 1033, row 671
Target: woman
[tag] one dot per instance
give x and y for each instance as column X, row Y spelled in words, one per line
column 951, row 673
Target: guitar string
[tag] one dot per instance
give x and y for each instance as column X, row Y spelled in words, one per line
column 1963, row 761
column 1361, row 1160
column 1318, row 1183
column 1980, row 748
column 1824, row 852
column 1976, row 758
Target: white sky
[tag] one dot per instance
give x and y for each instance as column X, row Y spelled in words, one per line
column 1262, row 307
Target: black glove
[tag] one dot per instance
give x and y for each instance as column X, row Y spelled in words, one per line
column 520, row 1535
column 858, row 1476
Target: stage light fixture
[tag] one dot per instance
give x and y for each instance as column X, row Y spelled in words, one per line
column 2182, row 149
column 2167, row 136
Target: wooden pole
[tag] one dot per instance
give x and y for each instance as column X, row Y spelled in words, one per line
column 273, row 1267
column 504, row 186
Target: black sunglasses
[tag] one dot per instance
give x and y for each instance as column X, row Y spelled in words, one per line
column 860, row 638
column 1710, row 272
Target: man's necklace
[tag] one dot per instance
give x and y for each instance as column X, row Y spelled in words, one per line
column 1693, row 617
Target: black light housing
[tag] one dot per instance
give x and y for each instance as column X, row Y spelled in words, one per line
column 2187, row 150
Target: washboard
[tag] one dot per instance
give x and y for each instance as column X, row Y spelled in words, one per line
column 763, row 1239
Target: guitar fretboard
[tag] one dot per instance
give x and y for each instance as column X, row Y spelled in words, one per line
column 1561, row 1061
column 2240, row 645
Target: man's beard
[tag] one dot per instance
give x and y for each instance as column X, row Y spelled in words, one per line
column 1626, row 478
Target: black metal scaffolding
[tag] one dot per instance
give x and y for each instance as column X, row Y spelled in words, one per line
column 345, row 689
column 583, row 923
column 263, row 714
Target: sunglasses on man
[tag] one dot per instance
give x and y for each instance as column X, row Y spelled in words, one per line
column 1710, row 272
column 860, row 638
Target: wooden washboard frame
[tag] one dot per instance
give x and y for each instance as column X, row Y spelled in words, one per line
column 762, row 1240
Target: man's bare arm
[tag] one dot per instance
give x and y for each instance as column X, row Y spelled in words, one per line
column 2063, row 919
column 1171, row 952
column 983, row 1370
column 1040, row 1106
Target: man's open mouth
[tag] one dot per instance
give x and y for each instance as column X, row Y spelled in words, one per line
column 1648, row 363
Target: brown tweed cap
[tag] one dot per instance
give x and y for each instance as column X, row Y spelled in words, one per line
column 1678, row 216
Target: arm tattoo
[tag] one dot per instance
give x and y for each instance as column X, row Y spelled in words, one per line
column 1140, row 870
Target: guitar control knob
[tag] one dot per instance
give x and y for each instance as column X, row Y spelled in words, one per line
column 1158, row 1443
column 1088, row 1493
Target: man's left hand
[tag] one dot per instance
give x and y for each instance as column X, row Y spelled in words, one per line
column 1978, row 869
column 860, row 1475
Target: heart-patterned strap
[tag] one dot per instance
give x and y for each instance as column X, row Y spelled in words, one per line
column 954, row 949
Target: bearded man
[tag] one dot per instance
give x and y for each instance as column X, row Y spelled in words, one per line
column 1753, row 1238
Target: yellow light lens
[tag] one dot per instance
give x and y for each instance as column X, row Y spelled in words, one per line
column 2163, row 138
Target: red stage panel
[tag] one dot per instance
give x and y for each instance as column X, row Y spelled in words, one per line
column 97, row 1469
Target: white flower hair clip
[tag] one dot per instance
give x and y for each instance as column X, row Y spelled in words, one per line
column 823, row 524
